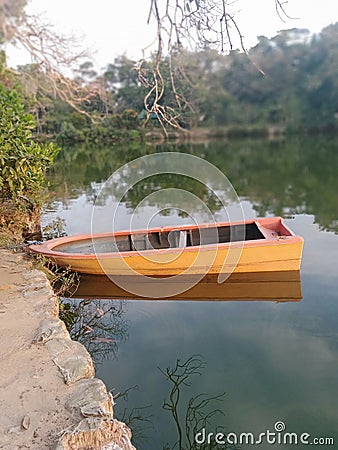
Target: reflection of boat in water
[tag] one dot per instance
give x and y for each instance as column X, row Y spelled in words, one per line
column 282, row 286
column 261, row 245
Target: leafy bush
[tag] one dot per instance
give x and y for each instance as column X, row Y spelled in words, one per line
column 23, row 162
column 70, row 134
column 130, row 119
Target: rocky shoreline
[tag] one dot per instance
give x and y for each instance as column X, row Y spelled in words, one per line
column 49, row 396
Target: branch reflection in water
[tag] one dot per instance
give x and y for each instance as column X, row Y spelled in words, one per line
column 198, row 412
column 99, row 325
column 138, row 419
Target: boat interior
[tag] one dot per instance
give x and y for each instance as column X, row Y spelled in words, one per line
column 165, row 239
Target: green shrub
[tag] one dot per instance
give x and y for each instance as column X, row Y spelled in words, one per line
column 23, row 162
column 70, row 134
column 130, row 119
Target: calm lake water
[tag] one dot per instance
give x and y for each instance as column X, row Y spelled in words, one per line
column 274, row 361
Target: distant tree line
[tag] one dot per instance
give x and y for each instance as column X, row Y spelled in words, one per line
column 289, row 82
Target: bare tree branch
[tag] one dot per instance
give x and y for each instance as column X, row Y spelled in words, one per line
column 181, row 24
column 54, row 56
column 281, row 10
column 190, row 24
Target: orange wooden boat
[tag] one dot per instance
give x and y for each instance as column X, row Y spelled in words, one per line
column 261, row 245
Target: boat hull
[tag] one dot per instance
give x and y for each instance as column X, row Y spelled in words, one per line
column 265, row 258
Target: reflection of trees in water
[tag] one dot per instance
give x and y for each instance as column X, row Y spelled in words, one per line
column 189, row 416
column 98, row 324
column 91, row 183
column 170, row 198
column 291, row 176
column 139, row 419
column 80, row 169
column 198, row 413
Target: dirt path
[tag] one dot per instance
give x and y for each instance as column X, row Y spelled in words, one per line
column 46, row 380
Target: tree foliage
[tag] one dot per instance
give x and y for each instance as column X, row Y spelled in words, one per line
column 23, row 162
column 287, row 82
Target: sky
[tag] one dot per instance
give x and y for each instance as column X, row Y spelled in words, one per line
column 108, row 28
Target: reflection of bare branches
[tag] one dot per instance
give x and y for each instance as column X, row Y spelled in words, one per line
column 179, row 376
column 125, row 393
column 97, row 324
column 198, row 416
column 136, row 418
column 200, row 409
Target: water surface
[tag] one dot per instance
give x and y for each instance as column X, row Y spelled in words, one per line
column 274, row 361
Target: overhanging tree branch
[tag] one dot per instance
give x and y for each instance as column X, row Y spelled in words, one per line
column 54, row 60
column 194, row 24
